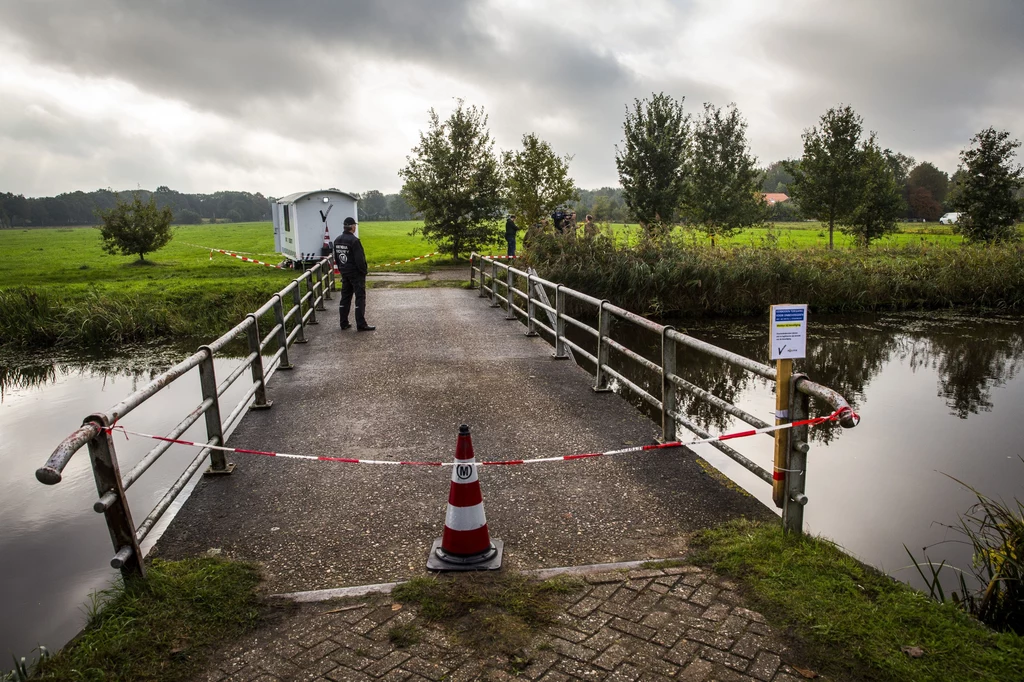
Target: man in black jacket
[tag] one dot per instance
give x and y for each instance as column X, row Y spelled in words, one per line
column 510, row 235
column 351, row 262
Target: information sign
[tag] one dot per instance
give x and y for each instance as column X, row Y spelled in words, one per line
column 788, row 331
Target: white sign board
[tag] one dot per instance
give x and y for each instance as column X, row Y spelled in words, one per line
column 788, row 331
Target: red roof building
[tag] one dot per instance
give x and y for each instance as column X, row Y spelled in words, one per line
column 774, row 197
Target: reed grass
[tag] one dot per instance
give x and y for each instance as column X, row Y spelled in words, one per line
column 672, row 277
column 995, row 531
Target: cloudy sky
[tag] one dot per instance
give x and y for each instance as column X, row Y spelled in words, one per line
column 278, row 97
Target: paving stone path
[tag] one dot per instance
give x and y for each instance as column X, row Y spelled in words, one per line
column 674, row 623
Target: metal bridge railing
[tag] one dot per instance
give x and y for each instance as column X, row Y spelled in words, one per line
column 286, row 328
column 534, row 296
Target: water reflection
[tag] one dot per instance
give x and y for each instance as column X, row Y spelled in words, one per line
column 848, row 353
column 19, row 370
column 54, row 550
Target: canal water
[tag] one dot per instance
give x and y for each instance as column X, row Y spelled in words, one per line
column 941, row 400
column 54, row 550
column 941, row 397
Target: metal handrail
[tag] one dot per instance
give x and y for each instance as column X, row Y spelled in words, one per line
column 802, row 387
column 96, row 428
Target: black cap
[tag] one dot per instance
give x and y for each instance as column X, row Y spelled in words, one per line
column 350, row 221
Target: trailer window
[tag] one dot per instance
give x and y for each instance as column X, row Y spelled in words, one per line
column 287, row 223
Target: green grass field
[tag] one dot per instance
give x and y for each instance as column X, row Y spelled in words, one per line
column 58, row 287
column 73, row 257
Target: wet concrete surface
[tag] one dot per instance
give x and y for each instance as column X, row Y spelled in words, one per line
column 441, row 357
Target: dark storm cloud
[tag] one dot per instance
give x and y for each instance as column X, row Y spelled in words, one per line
column 925, row 74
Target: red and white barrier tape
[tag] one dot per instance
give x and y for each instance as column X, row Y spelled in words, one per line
column 244, row 253
column 498, row 257
column 409, row 260
column 564, row 458
column 247, row 260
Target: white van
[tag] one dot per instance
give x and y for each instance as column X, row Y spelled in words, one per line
column 949, row 219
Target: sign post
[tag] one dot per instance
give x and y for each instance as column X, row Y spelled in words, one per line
column 788, row 339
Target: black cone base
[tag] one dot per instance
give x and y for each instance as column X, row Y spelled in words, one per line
column 439, row 560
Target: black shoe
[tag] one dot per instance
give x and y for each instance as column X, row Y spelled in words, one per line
column 346, row 325
column 365, row 328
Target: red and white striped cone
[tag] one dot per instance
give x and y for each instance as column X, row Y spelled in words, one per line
column 466, row 544
column 328, row 247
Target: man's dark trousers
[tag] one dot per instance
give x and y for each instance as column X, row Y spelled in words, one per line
column 353, row 283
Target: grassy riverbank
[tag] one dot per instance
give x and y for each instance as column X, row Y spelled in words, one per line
column 161, row 629
column 58, row 288
column 849, row 620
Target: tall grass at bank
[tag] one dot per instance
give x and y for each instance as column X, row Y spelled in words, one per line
column 162, row 628
column 39, row 317
column 679, row 279
column 849, row 620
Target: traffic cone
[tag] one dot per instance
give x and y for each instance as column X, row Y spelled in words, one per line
column 466, row 544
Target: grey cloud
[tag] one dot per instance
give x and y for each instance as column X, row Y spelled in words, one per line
column 924, row 74
column 222, row 55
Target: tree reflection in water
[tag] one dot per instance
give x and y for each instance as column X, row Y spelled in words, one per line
column 970, row 354
column 21, row 371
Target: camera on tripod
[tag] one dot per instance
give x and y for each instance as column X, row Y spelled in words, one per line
column 564, row 220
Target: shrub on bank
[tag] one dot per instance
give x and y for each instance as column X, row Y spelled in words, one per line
column 669, row 277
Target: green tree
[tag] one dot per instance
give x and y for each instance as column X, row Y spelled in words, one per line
column 881, row 200
column 923, row 204
column 986, row 194
column 454, row 180
column 398, row 207
column 536, row 181
column 825, row 181
column 373, row 206
column 187, row 217
column 135, row 227
column 926, row 175
column 775, row 178
column 652, row 163
column 723, row 193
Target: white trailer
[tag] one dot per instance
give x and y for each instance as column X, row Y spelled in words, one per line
column 301, row 219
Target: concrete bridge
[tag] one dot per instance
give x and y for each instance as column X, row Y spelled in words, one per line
column 441, row 357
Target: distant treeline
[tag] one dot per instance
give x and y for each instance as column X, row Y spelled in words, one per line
column 605, row 204
column 80, row 208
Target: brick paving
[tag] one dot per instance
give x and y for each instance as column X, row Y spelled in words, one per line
column 674, row 623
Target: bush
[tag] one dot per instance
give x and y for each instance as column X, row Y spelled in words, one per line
column 670, row 278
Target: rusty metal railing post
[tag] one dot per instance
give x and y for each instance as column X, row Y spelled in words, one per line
column 327, row 272
column 127, row 553
column 604, row 327
column 300, row 336
column 252, row 333
column 510, row 313
column 494, row 284
column 559, row 353
column 668, row 389
column 531, row 310
column 214, row 428
column 320, row 279
column 482, row 291
column 282, row 333
column 796, row 461
column 311, row 290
